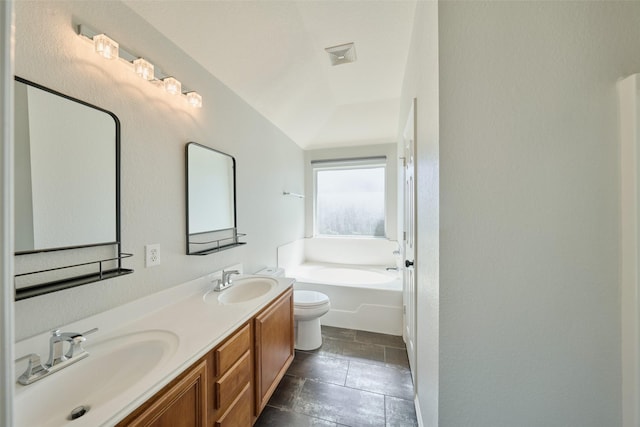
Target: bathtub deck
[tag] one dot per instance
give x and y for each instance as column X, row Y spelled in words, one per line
column 348, row 275
column 356, row 378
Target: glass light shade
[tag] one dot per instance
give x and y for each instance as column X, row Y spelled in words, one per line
column 143, row 68
column 105, row 47
column 172, row 86
column 194, row 99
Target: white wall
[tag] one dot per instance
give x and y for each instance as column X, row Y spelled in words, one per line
column 23, row 202
column 7, row 356
column 155, row 129
column 391, row 180
column 529, row 291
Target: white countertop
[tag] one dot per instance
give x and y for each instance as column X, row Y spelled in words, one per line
column 196, row 326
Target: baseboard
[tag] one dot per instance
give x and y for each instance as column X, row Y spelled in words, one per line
column 416, row 403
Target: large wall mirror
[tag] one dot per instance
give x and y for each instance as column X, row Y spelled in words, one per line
column 211, row 200
column 66, row 173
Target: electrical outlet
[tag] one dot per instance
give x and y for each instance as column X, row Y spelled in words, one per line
column 152, row 255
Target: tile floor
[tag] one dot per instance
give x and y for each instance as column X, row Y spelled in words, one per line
column 355, row 379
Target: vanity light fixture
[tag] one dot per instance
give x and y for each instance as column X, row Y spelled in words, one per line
column 110, row 49
column 194, row 99
column 105, row 47
column 143, row 68
column 172, row 85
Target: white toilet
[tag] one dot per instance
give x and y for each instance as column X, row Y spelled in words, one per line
column 308, row 307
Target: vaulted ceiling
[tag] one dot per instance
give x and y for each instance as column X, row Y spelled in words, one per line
column 272, row 54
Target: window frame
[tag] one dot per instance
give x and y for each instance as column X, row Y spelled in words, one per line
column 348, row 164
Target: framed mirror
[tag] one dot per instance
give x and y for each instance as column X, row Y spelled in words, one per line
column 66, row 172
column 67, row 191
column 211, row 200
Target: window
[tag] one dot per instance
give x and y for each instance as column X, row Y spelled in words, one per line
column 350, row 198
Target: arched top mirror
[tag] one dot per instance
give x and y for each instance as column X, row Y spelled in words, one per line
column 211, row 200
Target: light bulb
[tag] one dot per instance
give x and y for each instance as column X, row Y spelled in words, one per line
column 194, row 99
column 143, row 68
column 172, row 86
column 105, row 47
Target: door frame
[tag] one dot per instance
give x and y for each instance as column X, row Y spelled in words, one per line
column 7, row 378
column 629, row 110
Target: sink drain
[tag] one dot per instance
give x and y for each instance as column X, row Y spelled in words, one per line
column 78, row 412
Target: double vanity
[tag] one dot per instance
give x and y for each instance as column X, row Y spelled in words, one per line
column 187, row 356
column 208, row 352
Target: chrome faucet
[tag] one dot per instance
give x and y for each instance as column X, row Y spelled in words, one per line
column 58, row 359
column 226, row 281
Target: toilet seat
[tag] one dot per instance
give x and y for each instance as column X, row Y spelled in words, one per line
column 309, row 299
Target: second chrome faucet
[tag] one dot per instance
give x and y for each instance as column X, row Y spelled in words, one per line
column 226, row 281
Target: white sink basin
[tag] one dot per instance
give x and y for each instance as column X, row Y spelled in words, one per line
column 246, row 289
column 113, row 366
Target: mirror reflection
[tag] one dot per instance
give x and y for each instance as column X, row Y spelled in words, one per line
column 211, row 215
column 65, row 171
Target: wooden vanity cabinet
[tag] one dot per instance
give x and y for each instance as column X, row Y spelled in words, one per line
column 182, row 403
column 274, row 342
column 232, row 383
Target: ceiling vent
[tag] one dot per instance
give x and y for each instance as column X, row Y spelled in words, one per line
column 342, row 54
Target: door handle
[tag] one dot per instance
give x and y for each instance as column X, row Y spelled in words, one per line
column 408, row 263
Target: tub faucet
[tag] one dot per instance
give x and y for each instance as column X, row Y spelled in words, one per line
column 226, row 281
column 58, row 359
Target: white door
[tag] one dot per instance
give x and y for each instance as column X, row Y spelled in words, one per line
column 409, row 240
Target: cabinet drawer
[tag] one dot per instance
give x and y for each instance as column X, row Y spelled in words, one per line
column 232, row 382
column 229, row 352
column 240, row 412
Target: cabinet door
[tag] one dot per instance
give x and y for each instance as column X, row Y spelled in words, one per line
column 274, row 346
column 180, row 404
